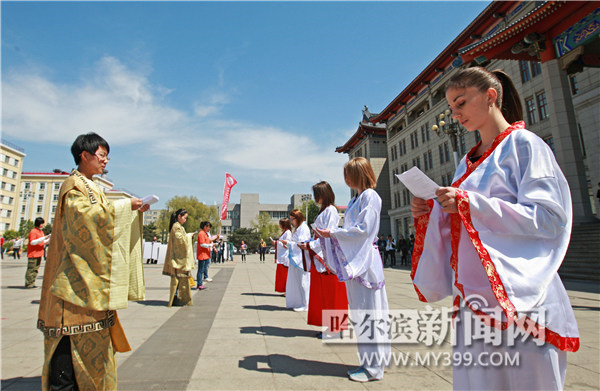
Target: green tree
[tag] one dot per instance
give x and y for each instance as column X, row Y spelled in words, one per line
column 47, row 229
column 249, row 235
column 312, row 208
column 150, row 231
column 24, row 227
column 265, row 227
column 197, row 213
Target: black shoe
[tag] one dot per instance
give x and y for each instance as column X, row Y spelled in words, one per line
column 319, row 335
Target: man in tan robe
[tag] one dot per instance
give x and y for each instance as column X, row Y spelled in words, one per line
column 93, row 268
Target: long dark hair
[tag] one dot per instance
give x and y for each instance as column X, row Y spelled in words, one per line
column 175, row 215
column 508, row 100
column 323, row 191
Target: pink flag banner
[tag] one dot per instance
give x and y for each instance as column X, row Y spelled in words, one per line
column 229, row 183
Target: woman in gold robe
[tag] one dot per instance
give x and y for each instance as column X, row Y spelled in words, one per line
column 179, row 260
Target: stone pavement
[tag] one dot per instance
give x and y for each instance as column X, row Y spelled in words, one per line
column 239, row 336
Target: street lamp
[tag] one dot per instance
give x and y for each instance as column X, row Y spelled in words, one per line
column 445, row 124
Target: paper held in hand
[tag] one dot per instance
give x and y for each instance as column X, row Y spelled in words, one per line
column 419, row 184
column 149, row 200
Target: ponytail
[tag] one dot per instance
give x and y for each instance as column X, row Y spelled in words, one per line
column 510, row 103
column 175, row 215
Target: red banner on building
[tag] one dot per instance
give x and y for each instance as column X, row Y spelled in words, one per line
column 229, row 183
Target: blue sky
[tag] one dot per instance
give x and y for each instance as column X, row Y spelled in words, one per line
column 186, row 91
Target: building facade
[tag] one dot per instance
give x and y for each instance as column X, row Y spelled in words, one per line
column 11, row 165
column 39, row 193
column 550, row 50
column 243, row 215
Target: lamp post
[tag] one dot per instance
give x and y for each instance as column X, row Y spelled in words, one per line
column 445, row 124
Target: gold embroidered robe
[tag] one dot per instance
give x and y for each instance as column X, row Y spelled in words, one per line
column 94, row 266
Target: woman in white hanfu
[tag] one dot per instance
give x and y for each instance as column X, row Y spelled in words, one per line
column 494, row 240
column 327, row 292
column 282, row 255
column 298, row 280
column 357, row 262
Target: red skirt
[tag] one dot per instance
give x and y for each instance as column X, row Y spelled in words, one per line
column 280, row 278
column 315, row 298
column 335, row 298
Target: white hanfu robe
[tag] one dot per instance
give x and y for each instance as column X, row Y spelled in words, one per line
column 283, row 253
column 356, row 261
column 328, row 219
column 499, row 258
column 297, row 287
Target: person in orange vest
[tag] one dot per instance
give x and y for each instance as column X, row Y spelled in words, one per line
column 203, row 253
column 35, row 252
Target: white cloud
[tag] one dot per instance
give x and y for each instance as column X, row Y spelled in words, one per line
column 126, row 108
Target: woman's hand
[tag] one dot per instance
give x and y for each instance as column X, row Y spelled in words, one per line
column 325, row 233
column 446, row 197
column 419, row 207
column 303, row 246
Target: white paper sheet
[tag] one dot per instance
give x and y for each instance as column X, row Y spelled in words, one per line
column 419, row 184
column 149, row 200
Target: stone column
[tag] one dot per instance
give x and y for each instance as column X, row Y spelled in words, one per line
column 564, row 130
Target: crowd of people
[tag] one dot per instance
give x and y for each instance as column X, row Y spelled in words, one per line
column 499, row 232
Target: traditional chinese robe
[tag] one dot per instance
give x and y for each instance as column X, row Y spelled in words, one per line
column 94, row 265
column 298, row 281
column 356, row 261
column 327, row 292
column 499, row 256
column 179, row 261
column 282, row 259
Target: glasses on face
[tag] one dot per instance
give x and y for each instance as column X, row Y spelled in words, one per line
column 102, row 156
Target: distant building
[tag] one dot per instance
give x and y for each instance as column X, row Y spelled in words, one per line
column 152, row 216
column 40, row 190
column 11, row 165
column 243, row 214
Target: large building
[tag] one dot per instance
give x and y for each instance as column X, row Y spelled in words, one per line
column 551, row 51
column 39, row 193
column 11, row 164
column 243, row 215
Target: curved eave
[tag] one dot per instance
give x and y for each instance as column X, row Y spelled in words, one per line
column 548, row 19
column 361, row 133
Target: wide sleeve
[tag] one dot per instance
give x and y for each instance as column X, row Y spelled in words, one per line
column 522, row 231
column 431, row 272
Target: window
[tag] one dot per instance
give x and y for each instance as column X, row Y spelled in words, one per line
column 425, row 132
column 39, row 209
column 402, row 148
column 417, row 162
column 446, row 151
column 477, row 136
column 55, row 197
column 53, row 209
column 428, row 160
column 462, row 144
column 573, row 82
column 536, row 68
column 530, row 107
column 441, row 150
column 542, row 105
column 23, row 209
column 27, row 185
column 57, row 186
column 42, row 185
column 524, row 68
column 40, row 197
column 550, row 141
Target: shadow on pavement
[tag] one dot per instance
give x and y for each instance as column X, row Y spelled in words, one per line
column 154, row 303
column 585, row 307
column 262, row 294
column 265, row 307
column 22, row 383
column 35, row 302
column 277, row 331
column 279, row 363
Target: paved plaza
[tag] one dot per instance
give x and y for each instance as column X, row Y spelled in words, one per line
column 238, row 335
